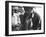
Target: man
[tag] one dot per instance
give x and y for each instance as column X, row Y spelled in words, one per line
column 26, row 20
column 18, row 11
column 31, row 20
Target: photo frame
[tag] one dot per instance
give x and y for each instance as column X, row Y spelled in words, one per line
column 12, row 9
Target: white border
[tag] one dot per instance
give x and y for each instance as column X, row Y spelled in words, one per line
column 24, row 32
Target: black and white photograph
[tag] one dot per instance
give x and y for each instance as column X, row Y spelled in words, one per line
column 25, row 18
